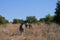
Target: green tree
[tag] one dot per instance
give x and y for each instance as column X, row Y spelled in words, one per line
column 31, row 19
column 47, row 19
column 42, row 20
column 15, row 21
column 21, row 21
column 57, row 13
column 3, row 20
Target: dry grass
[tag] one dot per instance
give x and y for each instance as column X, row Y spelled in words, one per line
column 39, row 31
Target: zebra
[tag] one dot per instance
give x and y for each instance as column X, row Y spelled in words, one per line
column 24, row 25
column 21, row 28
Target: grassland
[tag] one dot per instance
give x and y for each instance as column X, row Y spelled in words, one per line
column 39, row 31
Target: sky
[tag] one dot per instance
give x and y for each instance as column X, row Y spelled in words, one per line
column 20, row 9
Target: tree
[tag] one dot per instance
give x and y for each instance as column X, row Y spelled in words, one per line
column 47, row 19
column 15, row 21
column 3, row 20
column 57, row 13
column 42, row 20
column 31, row 19
column 21, row 21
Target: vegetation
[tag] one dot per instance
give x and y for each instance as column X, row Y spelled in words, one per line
column 31, row 19
column 3, row 20
column 47, row 19
column 57, row 13
column 17, row 21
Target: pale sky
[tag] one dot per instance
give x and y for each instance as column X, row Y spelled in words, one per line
column 20, row 9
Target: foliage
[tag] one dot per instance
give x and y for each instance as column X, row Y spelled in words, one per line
column 42, row 20
column 57, row 13
column 47, row 19
column 15, row 21
column 31, row 19
column 3, row 20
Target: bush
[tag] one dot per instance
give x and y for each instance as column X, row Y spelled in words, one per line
column 15, row 21
column 47, row 19
column 3, row 20
column 31, row 19
column 42, row 20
